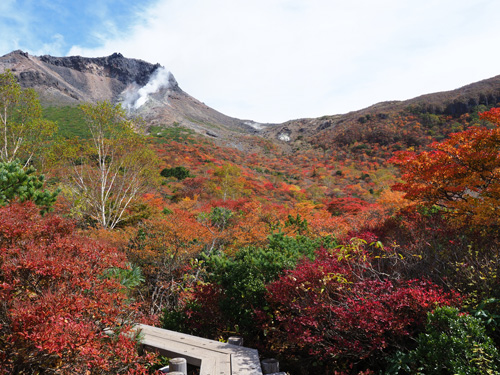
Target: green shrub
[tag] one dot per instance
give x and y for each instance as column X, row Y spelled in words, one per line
column 244, row 277
column 21, row 183
column 235, row 286
column 129, row 277
column 174, row 133
column 70, row 121
column 178, row 172
column 452, row 343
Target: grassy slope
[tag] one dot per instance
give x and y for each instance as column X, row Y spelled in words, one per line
column 69, row 120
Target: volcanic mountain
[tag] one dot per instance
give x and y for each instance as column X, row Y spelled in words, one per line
column 145, row 89
column 150, row 91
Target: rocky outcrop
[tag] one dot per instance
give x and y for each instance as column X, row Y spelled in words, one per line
column 115, row 66
column 67, row 80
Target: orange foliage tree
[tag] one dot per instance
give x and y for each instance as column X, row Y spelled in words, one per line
column 163, row 248
column 234, row 224
column 460, row 174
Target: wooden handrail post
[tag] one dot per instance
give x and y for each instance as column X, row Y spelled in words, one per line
column 235, row 340
column 270, row 366
column 178, row 365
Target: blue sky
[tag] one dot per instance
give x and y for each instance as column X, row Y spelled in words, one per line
column 54, row 26
column 275, row 60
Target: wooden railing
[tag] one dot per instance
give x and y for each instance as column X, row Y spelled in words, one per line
column 213, row 357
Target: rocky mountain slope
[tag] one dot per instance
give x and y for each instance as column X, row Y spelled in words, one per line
column 145, row 89
column 452, row 104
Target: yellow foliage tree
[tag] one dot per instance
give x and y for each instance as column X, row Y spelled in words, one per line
column 112, row 168
column 23, row 131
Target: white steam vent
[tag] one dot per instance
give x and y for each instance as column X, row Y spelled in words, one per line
column 285, row 135
column 136, row 96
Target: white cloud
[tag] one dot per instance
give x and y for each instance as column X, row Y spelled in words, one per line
column 273, row 60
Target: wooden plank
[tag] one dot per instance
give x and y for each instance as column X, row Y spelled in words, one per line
column 213, row 357
column 245, row 361
column 210, row 362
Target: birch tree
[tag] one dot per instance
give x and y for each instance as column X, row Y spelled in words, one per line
column 23, row 131
column 111, row 169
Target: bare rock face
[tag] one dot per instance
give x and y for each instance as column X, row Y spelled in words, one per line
column 69, row 80
column 115, row 66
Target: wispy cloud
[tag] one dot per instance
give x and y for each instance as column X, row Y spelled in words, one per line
column 14, row 25
column 54, row 26
column 54, row 47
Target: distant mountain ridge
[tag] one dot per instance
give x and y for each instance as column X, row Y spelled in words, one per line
column 454, row 103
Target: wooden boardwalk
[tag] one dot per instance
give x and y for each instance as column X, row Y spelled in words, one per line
column 213, row 357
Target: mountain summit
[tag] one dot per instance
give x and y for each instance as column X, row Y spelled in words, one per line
column 144, row 89
column 70, row 80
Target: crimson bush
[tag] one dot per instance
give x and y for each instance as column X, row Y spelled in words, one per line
column 57, row 314
column 338, row 309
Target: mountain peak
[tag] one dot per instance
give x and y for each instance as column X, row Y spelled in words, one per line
column 19, row 52
column 146, row 89
column 73, row 79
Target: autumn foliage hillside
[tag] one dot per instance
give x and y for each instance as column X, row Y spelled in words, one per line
column 371, row 251
column 239, row 205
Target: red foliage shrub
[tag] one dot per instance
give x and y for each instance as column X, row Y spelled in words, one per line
column 202, row 312
column 231, row 204
column 192, row 187
column 347, row 205
column 429, row 243
column 364, row 235
column 337, row 309
column 55, row 307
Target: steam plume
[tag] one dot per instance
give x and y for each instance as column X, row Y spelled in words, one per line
column 137, row 96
